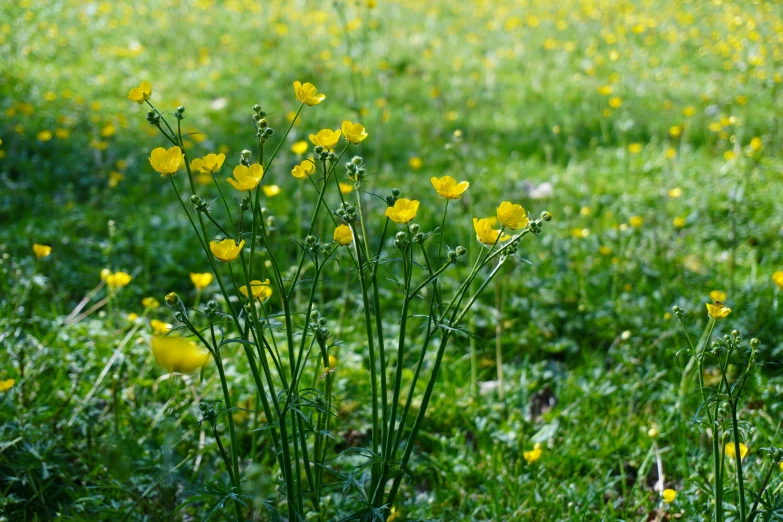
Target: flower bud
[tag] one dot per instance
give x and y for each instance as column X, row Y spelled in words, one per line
column 356, row 160
column 400, row 236
column 256, row 108
column 414, row 228
column 180, row 109
column 322, row 321
column 395, row 192
column 653, row 432
column 172, row 298
column 546, row 216
column 461, row 250
column 310, row 240
column 754, row 343
column 314, row 315
column 452, row 256
column 318, row 149
column 245, row 203
column 195, row 199
column 268, row 131
column 246, row 154
column 212, row 304
column 735, row 333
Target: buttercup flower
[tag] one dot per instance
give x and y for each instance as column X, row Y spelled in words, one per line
column 534, row 454
column 636, row 221
column 718, row 295
column 353, row 132
column 345, row 188
column 261, row 289
column 326, row 138
column 6, row 385
column 777, row 278
column 201, row 281
column 150, row 302
column 512, row 216
column 246, row 178
column 447, row 187
column 271, row 190
column 308, row 94
column 403, row 210
column 209, row 164
column 226, row 250
column 304, row 169
column 41, row 251
column 730, row 449
column 118, row 279
column 176, row 354
column 299, row 148
column 141, row 93
column 343, row 235
column 485, row 233
column 718, row 310
column 167, row 161
column 669, row 495
column 131, row 317
column 159, row 327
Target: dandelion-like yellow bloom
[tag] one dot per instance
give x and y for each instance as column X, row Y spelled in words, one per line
column 326, row 138
column 209, row 164
column 201, row 281
column 299, row 148
column 730, row 449
column 141, row 93
column 261, row 289
column 718, row 310
column 403, row 211
column 159, row 327
column 777, row 278
column 179, row 355
column 669, row 495
column 512, row 216
column 246, row 178
column 718, row 295
column 485, row 233
column 635, row 148
column 636, row 221
column 132, row 317
column 6, row 385
column 353, row 132
column 304, row 169
column 447, row 187
column 118, row 280
column 345, row 188
column 308, row 94
column 534, row 454
column 343, row 235
column 41, row 251
column 271, row 191
column 756, row 144
column 415, row 163
column 226, row 250
column 150, row 302
column 167, row 161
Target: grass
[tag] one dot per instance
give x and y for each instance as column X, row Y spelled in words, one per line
column 592, row 357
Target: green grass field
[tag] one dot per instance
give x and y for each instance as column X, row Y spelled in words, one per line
column 651, row 132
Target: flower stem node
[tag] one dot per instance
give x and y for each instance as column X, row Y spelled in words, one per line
column 172, row 299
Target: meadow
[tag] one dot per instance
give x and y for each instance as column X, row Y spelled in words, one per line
column 575, row 375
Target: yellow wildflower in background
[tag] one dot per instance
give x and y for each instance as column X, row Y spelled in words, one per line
column 679, row 222
column 756, row 144
column 343, row 235
column 271, row 191
column 167, row 161
column 534, row 454
column 304, row 169
column 718, row 295
column 150, row 302
column 403, row 210
column 6, row 385
column 512, row 215
column 635, row 148
column 246, row 178
column 718, row 310
column 447, row 187
column 415, row 163
column 345, row 188
column 118, row 279
column 299, row 148
column 261, row 289
column 730, row 449
column 636, row 221
column 179, row 355
column 777, row 278
column 132, row 317
column 326, row 138
column 209, row 164
column 141, row 93
column 201, row 281
column 308, row 94
column 485, row 233
column 159, row 327
column 669, row 495
column 41, row 251
column 226, row 250
column 353, row 132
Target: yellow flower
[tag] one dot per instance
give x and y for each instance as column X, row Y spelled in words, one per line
column 676, row 192
column 485, row 233
column 176, row 354
column 415, row 163
column 308, row 94
column 635, row 148
column 6, row 385
column 299, row 148
column 261, row 289
column 304, row 169
column 105, row 273
column 718, row 310
column 167, row 161
column 353, row 132
column 447, row 187
column 41, row 251
column 246, row 178
column 118, row 280
column 332, row 361
column 326, row 138
column 615, row 102
column 756, row 144
column 675, row 131
column 201, row 281
column 669, row 495
column 718, row 295
column 777, row 278
column 679, row 222
column 209, row 164
column 141, row 93
column 345, row 188
column 636, row 221
column 512, row 216
column 533, row 455
column 226, row 250
column 150, row 302
column 271, row 190
column 343, row 235
column 159, row 327
column 731, row 450
column 131, row 317
column 44, row 135
column 403, row 210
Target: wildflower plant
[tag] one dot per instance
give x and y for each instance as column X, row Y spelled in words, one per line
column 287, row 342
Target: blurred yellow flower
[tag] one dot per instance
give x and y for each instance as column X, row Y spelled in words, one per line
column 118, row 279
column 179, row 355
column 141, row 93
column 209, row 164
column 304, row 169
column 485, row 233
column 679, row 222
column 605, row 90
column 635, row 148
column 615, row 102
column 41, row 251
column 447, row 187
column 675, row 131
column 308, row 94
column 756, row 144
column 353, row 132
column 132, row 317
column 271, row 191
column 730, row 449
column 604, row 250
column 343, row 235
column 718, row 295
column 299, row 148
column 512, row 216
column 201, row 281
column 718, row 310
column 415, row 163
column 675, row 192
column 6, row 385
column 44, row 135
column 777, row 278
column 669, row 495
column 246, row 178
column 403, row 210
column 261, row 289
column 345, row 188
column 159, row 327
column 326, row 138
column 150, row 302
column 167, row 161
column 636, row 221
column 533, row 455
column 226, row 250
